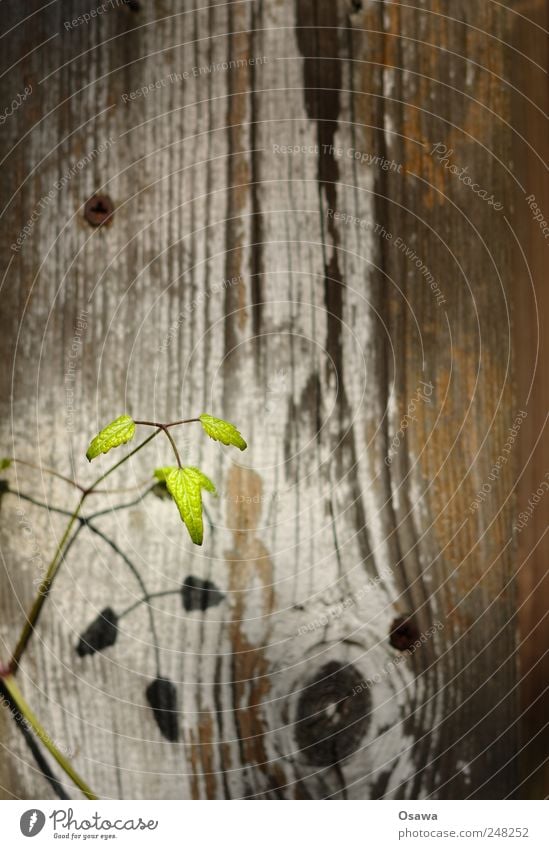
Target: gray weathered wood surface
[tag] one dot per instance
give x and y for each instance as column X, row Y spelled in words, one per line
column 316, row 348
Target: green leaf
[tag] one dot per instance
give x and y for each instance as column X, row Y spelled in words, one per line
column 160, row 489
column 5, row 463
column 222, row 431
column 118, row 432
column 202, row 479
column 185, row 486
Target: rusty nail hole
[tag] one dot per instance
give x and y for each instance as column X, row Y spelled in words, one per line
column 403, row 634
column 98, row 210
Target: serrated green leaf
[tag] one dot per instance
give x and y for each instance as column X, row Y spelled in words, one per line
column 5, row 463
column 202, row 479
column 185, row 486
column 118, row 432
column 222, row 431
column 160, row 489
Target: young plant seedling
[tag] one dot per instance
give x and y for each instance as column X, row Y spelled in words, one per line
column 185, row 485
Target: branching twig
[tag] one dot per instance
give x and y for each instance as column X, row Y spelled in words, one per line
column 117, row 433
column 47, row 582
column 135, row 572
column 146, row 598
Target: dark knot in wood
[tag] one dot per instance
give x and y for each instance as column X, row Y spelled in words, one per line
column 332, row 714
column 99, row 210
column 403, row 634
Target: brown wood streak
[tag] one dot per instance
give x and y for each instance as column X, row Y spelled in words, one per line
column 238, row 165
column 370, row 55
column 474, row 566
column 202, row 759
column 373, row 56
column 249, row 560
column 194, row 762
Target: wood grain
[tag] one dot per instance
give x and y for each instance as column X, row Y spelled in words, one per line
column 285, row 291
column 531, row 311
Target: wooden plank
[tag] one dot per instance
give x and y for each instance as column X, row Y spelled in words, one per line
column 530, row 106
column 286, row 290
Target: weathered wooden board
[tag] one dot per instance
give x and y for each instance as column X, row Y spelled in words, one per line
column 347, row 305
column 530, row 107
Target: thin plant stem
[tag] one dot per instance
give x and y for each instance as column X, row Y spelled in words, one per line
column 18, row 699
column 38, row 754
column 43, row 590
column 88, row 490
column 165, row 428
column 86, row 521
column 112, row 469
column 49, row 507
column 147, row 598
column 81, row 487
column 122, row 489
column 135, row 572
column 8, row 674
column 174, row 446
column 83, row 519
column 46, row 583
column 182, row 421
column 47, row 471
column 118, row 507
column 165, row 424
